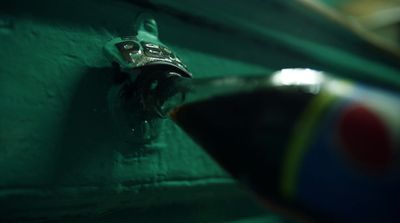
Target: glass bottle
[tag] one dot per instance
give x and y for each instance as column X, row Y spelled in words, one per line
column 305, row 142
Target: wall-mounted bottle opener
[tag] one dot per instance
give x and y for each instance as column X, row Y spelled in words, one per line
column 145, row 72
column 144, row 50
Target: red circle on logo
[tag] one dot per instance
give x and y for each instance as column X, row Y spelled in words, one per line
column 365, row 138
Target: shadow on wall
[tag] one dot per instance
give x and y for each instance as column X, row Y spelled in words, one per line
column 84, row 147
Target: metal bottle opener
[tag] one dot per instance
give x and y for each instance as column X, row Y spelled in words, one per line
column 145, row 73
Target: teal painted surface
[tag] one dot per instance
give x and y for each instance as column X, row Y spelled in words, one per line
column 59, row 154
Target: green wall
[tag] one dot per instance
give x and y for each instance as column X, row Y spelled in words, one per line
column 60, row 156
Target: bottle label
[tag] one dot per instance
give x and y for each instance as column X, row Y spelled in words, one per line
column 342, row 159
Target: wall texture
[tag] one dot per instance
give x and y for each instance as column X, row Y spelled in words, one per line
column 61, row 158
